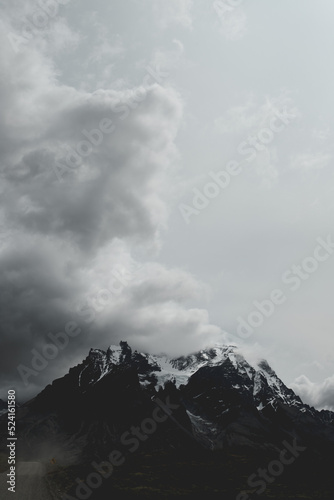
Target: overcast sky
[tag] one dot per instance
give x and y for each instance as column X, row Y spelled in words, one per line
column 164, row 165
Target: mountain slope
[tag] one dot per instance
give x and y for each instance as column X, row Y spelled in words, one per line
column 215, row 410
column 224, row 400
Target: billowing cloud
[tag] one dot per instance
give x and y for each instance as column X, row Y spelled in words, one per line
column 320, row 395
column 84, row 186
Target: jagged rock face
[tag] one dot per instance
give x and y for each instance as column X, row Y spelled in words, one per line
column 99, row 363
column 223, row 367
column 224, row 400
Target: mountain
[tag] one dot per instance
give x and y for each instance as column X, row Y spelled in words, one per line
column 224, row 399
column 212, row 403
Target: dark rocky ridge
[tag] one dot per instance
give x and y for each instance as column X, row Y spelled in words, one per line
column 225, row 408
column 224, row 401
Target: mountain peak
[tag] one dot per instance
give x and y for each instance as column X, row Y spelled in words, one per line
column 223, row 399
column 225, row 361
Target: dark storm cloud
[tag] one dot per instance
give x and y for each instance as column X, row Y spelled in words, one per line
column 84, row 181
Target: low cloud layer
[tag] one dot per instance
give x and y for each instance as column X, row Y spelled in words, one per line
column 320, row 395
